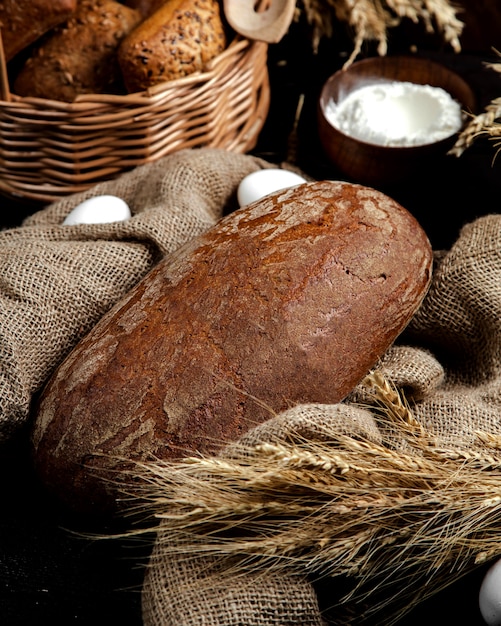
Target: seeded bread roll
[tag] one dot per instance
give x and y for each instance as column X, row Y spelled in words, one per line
column 179, row 38
column 80, row 56
column 289, row 300
column 25, row 21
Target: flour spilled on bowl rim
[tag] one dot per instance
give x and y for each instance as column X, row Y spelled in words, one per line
column 396, row 113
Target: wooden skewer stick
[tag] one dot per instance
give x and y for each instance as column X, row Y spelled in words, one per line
column 4, row 79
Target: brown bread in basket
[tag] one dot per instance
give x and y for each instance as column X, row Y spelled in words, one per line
column 79, row 56
column 180, row 38
column 25, row 21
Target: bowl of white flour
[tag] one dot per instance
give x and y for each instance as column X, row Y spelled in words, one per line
column 384, row 119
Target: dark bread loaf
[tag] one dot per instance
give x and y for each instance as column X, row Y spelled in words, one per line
column 25, row 21
column 179, row 38
column 289, row 300
column 80, row 56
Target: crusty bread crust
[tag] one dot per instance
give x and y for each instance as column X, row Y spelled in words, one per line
column 25, row 21
column 286, row 301
column 179, row 38
column 79, row 56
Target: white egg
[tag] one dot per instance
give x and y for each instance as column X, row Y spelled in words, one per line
column 98, row 210
column 489, row 597
column 263, row 182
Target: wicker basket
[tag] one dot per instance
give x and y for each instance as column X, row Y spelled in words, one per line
column 49, row 149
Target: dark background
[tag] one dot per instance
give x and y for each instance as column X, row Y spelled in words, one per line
column 49, row 574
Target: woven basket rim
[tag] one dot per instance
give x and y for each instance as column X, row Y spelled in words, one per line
column 52, row 148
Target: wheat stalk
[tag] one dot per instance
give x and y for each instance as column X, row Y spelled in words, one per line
column 369, row 20
column 483, row 124
column 394, row 521
column 393, row 402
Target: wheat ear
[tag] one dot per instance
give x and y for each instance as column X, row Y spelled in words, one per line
column 394, row 523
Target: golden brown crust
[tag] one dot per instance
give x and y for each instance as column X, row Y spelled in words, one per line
column 25, row 21
column 80, row 56
column 180, row 38
column 289, row 300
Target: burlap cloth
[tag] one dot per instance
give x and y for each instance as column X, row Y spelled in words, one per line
column 448, row 362
column 57, row 281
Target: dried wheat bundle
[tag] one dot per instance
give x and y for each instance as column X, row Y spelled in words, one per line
column 487, row 123
column 369, row 20
column 398, row 521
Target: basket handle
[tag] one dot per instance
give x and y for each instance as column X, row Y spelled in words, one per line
column 269, row 24
column 4, row 79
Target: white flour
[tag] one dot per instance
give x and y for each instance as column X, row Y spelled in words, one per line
column 396, row 114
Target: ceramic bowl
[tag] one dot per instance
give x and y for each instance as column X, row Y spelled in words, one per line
column 379, row 165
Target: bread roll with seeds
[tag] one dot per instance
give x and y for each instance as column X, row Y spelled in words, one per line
column 180, row 38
